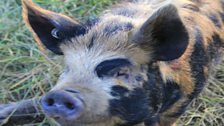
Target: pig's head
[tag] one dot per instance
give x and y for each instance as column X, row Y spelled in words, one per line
column 107, row 64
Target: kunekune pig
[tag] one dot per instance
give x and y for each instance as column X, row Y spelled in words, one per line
column 140, row 63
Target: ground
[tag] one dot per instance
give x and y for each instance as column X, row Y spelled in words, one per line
column 25, row 72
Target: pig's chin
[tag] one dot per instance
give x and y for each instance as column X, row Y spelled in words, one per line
column 79, row 123
column 83, row 121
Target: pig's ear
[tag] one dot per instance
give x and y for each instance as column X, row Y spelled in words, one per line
column 164, row 34
column 49, row 28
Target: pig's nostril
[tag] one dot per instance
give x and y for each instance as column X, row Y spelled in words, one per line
column 50, row 102
column 69, row 105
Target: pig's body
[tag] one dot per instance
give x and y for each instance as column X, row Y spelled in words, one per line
column 139, row 64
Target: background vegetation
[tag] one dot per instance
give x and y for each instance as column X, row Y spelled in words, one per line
column 25, row 72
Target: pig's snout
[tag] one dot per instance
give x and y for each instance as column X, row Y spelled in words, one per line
column 62, row 104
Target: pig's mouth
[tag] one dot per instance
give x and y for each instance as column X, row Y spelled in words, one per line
column 82, row 121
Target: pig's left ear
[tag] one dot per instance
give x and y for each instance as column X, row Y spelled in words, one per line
column 49, row 28
column 163, row 34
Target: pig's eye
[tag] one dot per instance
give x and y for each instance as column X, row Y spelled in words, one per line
column 111, row 68
column 123, row 72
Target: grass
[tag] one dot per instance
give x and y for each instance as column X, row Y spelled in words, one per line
column 25, row 72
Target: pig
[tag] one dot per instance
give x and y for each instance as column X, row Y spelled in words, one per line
column 140, row 63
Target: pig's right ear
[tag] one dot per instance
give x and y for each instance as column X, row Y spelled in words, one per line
column 49, row 28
